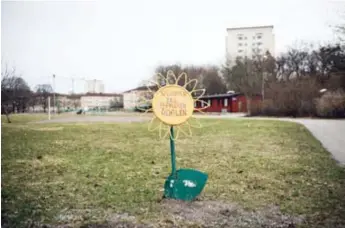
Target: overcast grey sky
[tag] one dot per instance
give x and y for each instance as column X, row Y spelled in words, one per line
column 121, row 42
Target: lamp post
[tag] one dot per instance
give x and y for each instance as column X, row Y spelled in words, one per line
column 54, row 103
column 263, row 77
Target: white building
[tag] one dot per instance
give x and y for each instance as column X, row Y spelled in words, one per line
column 133, row 97
column 249, row 42
column 94, row 86
column 93, row 100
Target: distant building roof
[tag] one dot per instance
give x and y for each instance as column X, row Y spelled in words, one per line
column 78, row 95
column 142, row 88
column 73, row 96
column 251, row 27
column 100, row 94
column 226, row 95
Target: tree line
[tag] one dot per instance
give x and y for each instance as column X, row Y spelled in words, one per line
column 16, row 95
column 303, row 81
column 289, row 84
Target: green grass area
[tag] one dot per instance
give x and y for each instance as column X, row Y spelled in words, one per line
column 50, row 169
column 29, row 117
column 26, row 117
column 23, row 118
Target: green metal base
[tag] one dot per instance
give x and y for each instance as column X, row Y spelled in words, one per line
column 185, row 185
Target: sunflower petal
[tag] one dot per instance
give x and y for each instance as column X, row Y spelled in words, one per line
column 198, row 93
column 194, row 122
column 166, row 129
column 191, row 83
column 171, row 78
column 143, row 115
column 182, row 79
column 154, row 124
column 187, row 132
column 142, row 104
column 177, row 133
column 160, row 80
column 204, row 106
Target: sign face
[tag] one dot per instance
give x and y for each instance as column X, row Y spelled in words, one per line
column 173, row 104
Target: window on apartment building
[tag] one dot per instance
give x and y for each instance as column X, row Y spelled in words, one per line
column 245, row 44
column 245, row 37
column 240, row 38
column 259, row 43
column 259, row 35
column 240, row 44
column 240, row 51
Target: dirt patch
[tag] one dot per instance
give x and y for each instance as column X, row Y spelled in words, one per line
column 218, row 214
column 205, row 214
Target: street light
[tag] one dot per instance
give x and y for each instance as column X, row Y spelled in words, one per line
column 54, row 103
column 263, row 78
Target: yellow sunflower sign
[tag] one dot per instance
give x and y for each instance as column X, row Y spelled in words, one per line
column 173, row 106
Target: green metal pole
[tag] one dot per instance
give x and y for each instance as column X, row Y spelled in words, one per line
column 172, row 152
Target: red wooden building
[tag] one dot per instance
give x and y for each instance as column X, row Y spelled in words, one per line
column 231, row 102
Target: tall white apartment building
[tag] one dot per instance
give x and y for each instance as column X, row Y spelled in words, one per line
column 249, row 42
column 94, row 86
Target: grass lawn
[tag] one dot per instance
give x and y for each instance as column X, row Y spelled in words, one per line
column 80, row 173
column 25, row 117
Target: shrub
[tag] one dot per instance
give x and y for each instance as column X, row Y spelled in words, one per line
column 256, row 109
column 289, row 98
column 331, row 104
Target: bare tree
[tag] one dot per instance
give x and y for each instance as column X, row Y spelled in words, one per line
column 295, row 62
column 163, row 71
column 33, row 101
column 212, row 81
column 245, row 77
column 15, row 93
column 339, row 29
column 43, row 91
column 193, row 72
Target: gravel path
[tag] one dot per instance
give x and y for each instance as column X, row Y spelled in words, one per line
column 331, row 133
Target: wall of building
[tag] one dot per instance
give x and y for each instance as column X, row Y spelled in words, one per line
column 129, row 100
column 228, row 104
column 97, row 101
column 241, row 47
column 132, row 98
